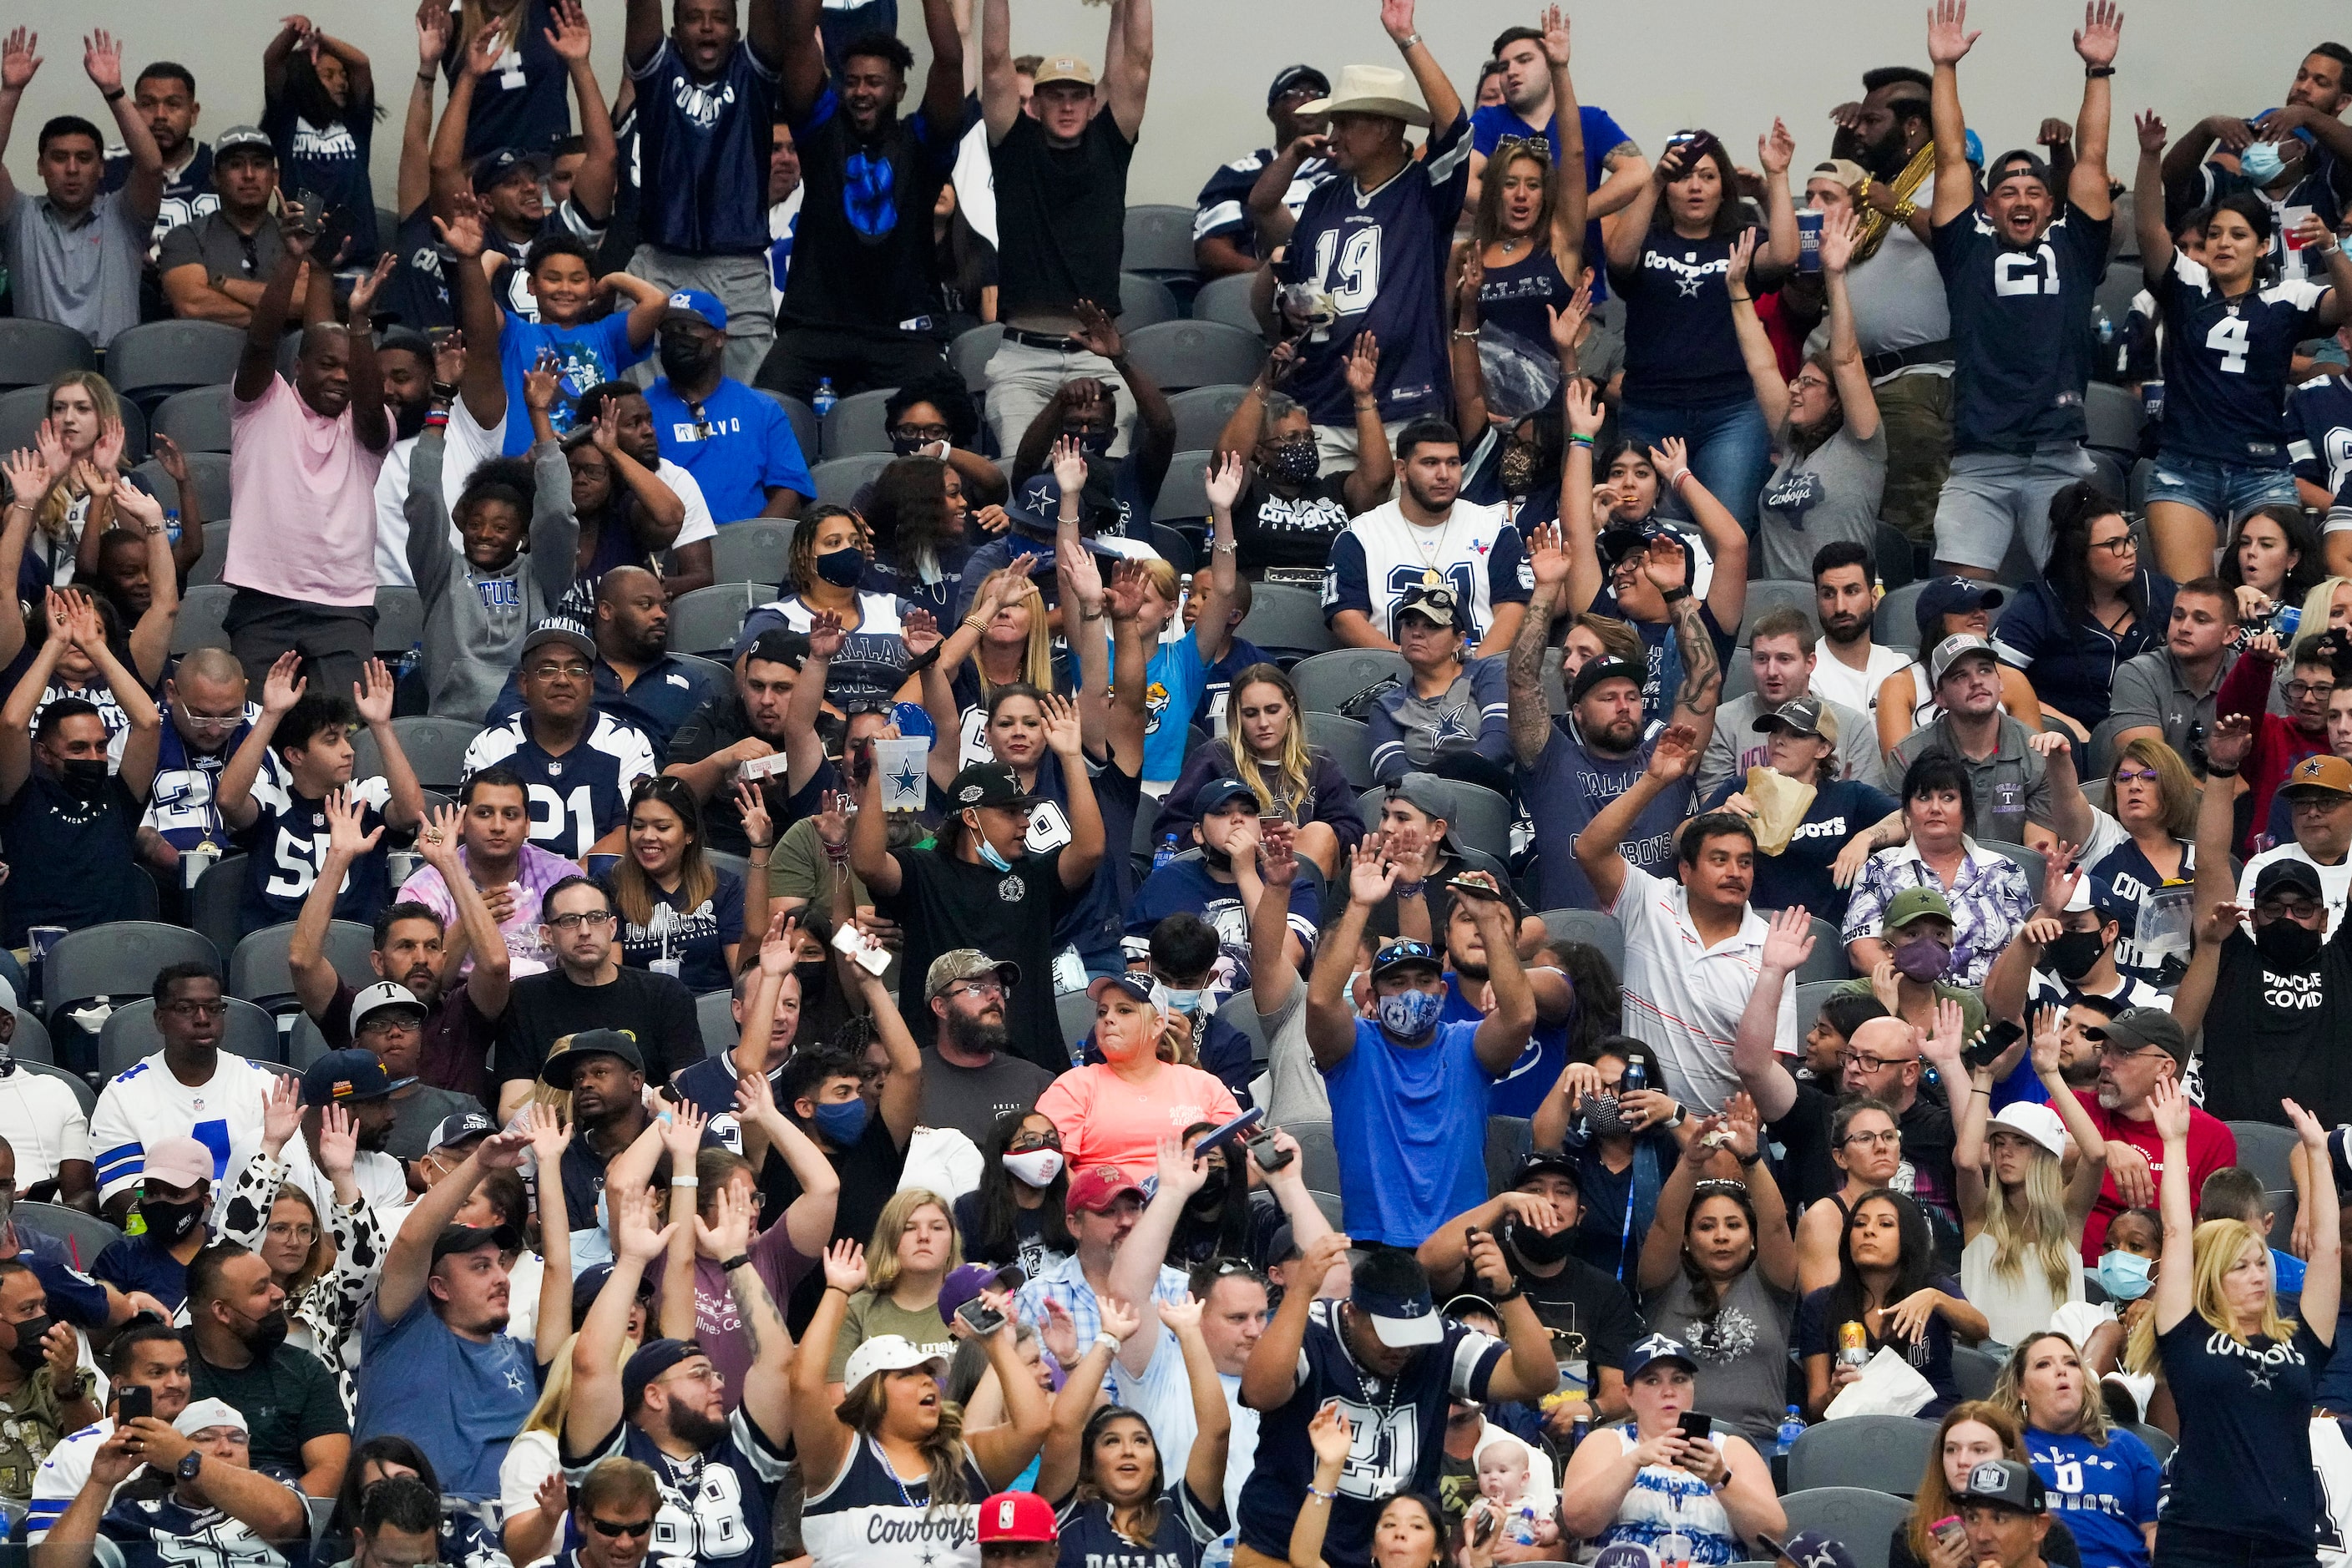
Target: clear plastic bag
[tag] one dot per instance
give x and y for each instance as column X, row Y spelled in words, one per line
column 1520, row 376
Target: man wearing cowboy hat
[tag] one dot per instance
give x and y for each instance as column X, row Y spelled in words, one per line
column 1366, row 255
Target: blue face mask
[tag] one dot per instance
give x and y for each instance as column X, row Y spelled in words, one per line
column 2261, row 163
column 1411, row 1015
column 2124, row 1276
column 842, row 567
column 843, row 1121
column 1185, row 1001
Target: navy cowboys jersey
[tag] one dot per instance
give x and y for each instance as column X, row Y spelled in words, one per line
column 872, row 1516
column 578, row 797
column 2225, row 364
column 163, row 1532
column 1378, row 260
column 2020, row 328
column 287, row 844
column 2319, row 431
column 714, row 1507
column 1222, row 206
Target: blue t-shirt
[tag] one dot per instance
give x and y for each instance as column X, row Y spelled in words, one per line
column 699, row 938
column 1801, row 873
column 1410, row 1125
column 1172, row 684
column 2103, row 1494
column 702, row 154
column 587, row 354
column 136, row 1262
column 460, row 1401
column 738, row 445
column 2020, row 328
column 1522, row 1088
column 2225, row 364
column 1602, row 136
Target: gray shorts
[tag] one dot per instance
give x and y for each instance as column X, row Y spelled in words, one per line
column 1990, row 497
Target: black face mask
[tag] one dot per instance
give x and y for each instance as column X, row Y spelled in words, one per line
column 1535, row 1246
column 811, row 975
column 2075, row 953
column 1211, row 1195
column 264, row 1335
column 408, row 419
column 170, row 1223
column 2287, row 944
column 83, row 775
column 28, row 1352
column 684, row 358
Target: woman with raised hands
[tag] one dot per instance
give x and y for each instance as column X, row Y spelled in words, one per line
column 1409, row 1531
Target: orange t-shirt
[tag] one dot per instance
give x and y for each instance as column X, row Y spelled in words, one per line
column 1106, row 1120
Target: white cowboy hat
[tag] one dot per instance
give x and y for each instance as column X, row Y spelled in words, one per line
column 1372, row 89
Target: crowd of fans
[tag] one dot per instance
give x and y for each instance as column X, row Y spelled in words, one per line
column 1000, row 1068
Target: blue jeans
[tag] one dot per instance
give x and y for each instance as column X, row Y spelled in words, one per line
column 1730, row 449
column 2222, row 492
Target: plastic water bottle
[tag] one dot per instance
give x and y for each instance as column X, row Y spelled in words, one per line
column 1793, row 1427
column 410, row 661
column 1165, row 853
column 1218, row 1554
column 2102, row 324
column 1523, row 1526
column 824, row 397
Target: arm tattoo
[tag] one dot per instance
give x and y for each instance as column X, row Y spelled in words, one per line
column 1619, row 154
column 753, row 1302
column 1702, row 671
column 1530, row 715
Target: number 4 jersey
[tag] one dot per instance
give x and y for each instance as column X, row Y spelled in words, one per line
column 1379, row 256
column 2225, row 364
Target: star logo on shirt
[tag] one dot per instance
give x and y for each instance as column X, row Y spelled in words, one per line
column 2258, row 1376
column 1452, row 725
column 514, row 1381
column 1688, row 283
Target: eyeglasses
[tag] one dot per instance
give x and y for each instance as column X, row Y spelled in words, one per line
column 1890, row 1139
column 978, row 988
column 210, row 721
column 575, row 671
column 285, row 1230
column 925, row 434
column 198, row 1009
column 1868, row 1062
column 2122, row 1050
column 2300, row 689
column 2287, row 908
column 2135, row 775
column 1027, row 1142
column 592, row 919
column 2119, row 546
column 611, row 1528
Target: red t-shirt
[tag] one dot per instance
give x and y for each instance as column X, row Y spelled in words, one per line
column 2278, row 745
column 2212, row 1145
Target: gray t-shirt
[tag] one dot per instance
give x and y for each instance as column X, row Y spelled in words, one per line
column 1828, row 494
column 415, row 1114
column 82, row 273
column 213, row 243
column 1898, row 294
column 2152, row 689
column 970, row 1100
column 1742, row 1348
column 2012, row 787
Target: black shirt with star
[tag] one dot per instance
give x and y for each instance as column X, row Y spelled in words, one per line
column 944, row 903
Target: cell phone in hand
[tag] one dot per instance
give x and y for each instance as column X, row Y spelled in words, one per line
column 314, row 211
column 1986, row 1049
column 980, row 1317
column 1239, row 1126
column 1269, row 1158
column 1696, row 1426
column 132, row 1404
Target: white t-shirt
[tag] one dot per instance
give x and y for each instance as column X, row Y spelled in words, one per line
column 145, row 1104
column 468, row 447
column 531, row 1460
column 698, row 525
column 1840, row 682
column 1396, row 553
column 43, row 1123
column 2336, row 881
column 1684, row 998
column 1898, row 294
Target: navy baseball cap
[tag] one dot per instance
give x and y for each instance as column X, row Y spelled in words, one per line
column 1657, row 1348
column 1402, row 1322
column 1399, row 955
column 1297, row 78
column 652, row 1359
column 1951, row 596
column 491, row 170
column 1602, row 670
column 348, row 1077
column 1215, row 794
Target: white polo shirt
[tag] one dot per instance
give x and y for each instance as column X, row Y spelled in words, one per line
column 1683, row 998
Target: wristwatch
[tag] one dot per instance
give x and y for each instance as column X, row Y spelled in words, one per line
column 188, row 1466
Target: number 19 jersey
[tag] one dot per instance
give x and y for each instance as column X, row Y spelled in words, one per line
column 1379, row 256
column 2225, row 364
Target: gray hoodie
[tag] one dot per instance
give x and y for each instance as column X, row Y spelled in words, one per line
column 474, row 622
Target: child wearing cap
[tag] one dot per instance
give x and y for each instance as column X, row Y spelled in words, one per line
column 580, row 353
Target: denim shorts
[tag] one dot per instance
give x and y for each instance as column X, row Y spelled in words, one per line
column 2222, row 492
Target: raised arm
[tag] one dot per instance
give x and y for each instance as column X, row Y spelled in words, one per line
column 315, row 979
column 1126, row 68
column 1672, row 756
column 2323, row 1281
column 409, row 1259
column 1083, row 852
column 818, row 1433
column 1840, row 233
column 1436, row 87
column 2217, row 912
column 599, row 173
column 19, row 58
column 799, row 72
column 641, row 33
column 548, row 1137
column 433, row 26
column 1755, row 1047
column 1529, row 710
column 1000, row 89
column 1503, row 1033
column 1755, row 348
column 142, row 191
column 869, row 842
column 139, row 513
column 373, row 694
column 1568, row 209
column 2176, row 1285
column 1271, row 1374
column 2147, row 199
column 1330, row 1009
column 596, row 1401
column 259, row 364
column 2095, row 41
column 1949, row 42
column 1272, row 970
column 1773, row 152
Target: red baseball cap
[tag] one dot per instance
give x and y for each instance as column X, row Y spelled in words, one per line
column 1096, row 1188
column 1016, row 1517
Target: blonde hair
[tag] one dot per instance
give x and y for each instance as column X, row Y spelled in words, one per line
column 882, row 1252
column 321, row 1257
column 2219, row 1243
column 1295, row 763
column 2032, row 1221
column 1933, row 1500
column 2009, row 1389
column 2319, row 601
column 944, row 1454
column 555, row 1394
column 51, row 516
column 2176, row 787
column 1036, row 658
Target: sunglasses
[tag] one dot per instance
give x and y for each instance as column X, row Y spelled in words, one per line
column 610, row 1528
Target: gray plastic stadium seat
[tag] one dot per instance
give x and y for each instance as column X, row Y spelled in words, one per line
column 149, row 362
column 839, row 480
column 208, row 471
column 1829, row 961
column 971, row 351
column 399, row 620
column 1319, row 1154
column 434, row 747
column 118, row 958
column 1076, row 1013
column 1881, row 1452
column 2030, row 861
column 1865, row 1520
column 197, row 418
column 258, row 970
column 305, row 1045
column 1284, row 619
column 1348, row 741
column 201, row 609
column 1891, row 553
column 213, row 906
column 1765, row 595
column 2112, row 419
column 1481, row 819
column 1896, row 619
column 1810, row 994
column 1157, row 239
column 1738, row 675
column 803, row 419
column 31, row 1042
column 2262, row 1148
column 1180, row 355
column 854, row 425
column 1184, row 493
column 1509, row 1139
column 130, row 1034
column 1591, row 927
column 213, row 559
column 1329, row 679
column 706, row 620
column 33, row 352
column 1201, row 414
column 1974, row 1371
column 1144, row 302
column 84, row 1235
column 752, row 551
column 714, row 1014
column 22, row 411
column 1227, row 300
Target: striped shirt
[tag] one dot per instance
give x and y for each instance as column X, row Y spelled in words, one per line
column 147, row 1103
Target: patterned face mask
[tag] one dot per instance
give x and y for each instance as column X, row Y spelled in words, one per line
column 1411, row 1015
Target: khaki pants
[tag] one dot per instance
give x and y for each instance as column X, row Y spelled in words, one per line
column 1916, row 411
column 1341, row 450
column 742, row 284
column 1023, row 379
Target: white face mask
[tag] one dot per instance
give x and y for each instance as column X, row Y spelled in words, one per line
column 1034, row 1167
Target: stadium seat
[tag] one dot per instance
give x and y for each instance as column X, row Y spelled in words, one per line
column 212, row 562
column 855, row 426
column 435, row 749
column 1076, row 1013
column 752, row 551
column 2030, row 861
column 1284, row 619
column 1329, row 680
column 970, row 353
column 714, row 1014
column 2262, row 1148
column 30, row 1042
column 1810, row 994
column 1765, row 595
column 33, row 352
column 1348, row 741
column 706, row 620
column 803, row 421
column 197, row 418
column 22, row 411
column 149, row 362
column 839, row 480
column 1319, row 1154
column 130, row 1034
column 1591, row 927
column 2112, row 417
column 1159, row 240
column 1974, row 1371
column 1184, row 492
column 399, row 620
column 1829, row 961
column 208, row 471
column 1509, row 1139
column 1174, row 545
column 305, row 1045
column 258, row 970
column 1896, row 619
column 202, row 609
column 1201, row 414
column 711, row 668
column 1879, row 1453
column 118, row 959
column 1739, row 677
column 1481, row 819
column 212, row 906
column 1226, row 301
column 1894, row 557
column 84, row 1096
column 83, row 1235
column 1181, row 355
column 1863, row 1519
column 1144, row 302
